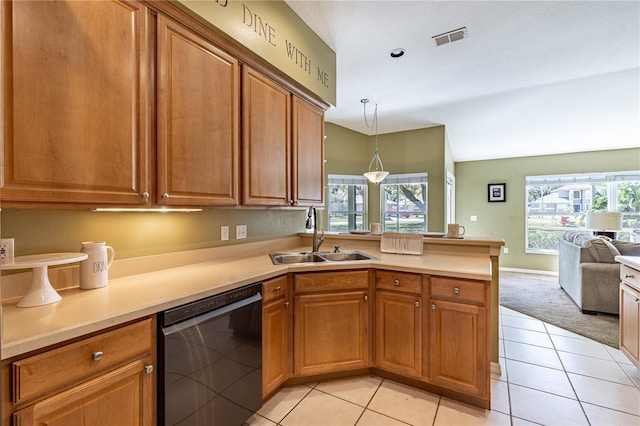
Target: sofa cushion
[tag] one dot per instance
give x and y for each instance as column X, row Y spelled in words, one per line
column 603, row 251
column 627, row 248
column 572, row 236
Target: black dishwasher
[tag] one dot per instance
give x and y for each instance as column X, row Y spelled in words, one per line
column 210, row 360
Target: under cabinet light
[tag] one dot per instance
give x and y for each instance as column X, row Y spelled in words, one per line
column 155, row 210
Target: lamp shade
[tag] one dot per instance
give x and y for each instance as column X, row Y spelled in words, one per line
column 604, row 221
column 377, row 176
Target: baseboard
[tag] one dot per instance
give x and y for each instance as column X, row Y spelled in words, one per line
column 496, row 370
column 529, row 271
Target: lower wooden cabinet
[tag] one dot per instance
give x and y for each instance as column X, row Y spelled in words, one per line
column 275, row 335
column 331, row 328
column 459, row 336
column 630, row 313
column 105, row 379
column 398, row 319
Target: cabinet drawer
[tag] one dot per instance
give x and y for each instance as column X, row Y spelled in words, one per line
column 274, row 289
column 73, row 362
column 630, row 276
column 399, row 281
column 331, row 281
column 458, row 290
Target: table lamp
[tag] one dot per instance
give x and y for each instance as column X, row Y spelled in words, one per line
column 604, row 222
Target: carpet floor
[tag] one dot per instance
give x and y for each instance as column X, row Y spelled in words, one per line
column 541, row 297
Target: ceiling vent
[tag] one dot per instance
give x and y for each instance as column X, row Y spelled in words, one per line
column 450, row 37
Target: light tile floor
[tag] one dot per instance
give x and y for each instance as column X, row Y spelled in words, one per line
column 550, row 376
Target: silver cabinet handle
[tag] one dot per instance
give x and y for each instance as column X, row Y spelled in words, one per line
column 456, row 290
column 148, row 369
column 97, row 356
column 433, row 306
column 165, row 196
column 278, row 288
column 286, row 304
column 396, row 283
column 145, row 195
column 366, row 297
column 629, row 276
column 417, row 304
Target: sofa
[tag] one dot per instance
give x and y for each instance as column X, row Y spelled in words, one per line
column 588, row 272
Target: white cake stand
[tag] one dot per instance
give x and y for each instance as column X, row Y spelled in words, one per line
column 41, row 292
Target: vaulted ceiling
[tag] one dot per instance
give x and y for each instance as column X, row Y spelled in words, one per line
column 530, row 78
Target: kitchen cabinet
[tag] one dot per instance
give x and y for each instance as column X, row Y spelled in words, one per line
column 630, row 313
column 459, row 341
column 308, row 154
column 398, row 318
column 198, row 141
column 331, row 327
column 275, row 334
column 76, row 99
column 280, row 169
column 104, row 379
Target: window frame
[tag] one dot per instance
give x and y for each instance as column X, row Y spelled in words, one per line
column 404, row 179
column 571, row 217
column 351, row 181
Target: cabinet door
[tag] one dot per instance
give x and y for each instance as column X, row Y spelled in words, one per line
column 123, row 396
column 331, row 332
column 399, row 333
column 308, row 154
column 459, row 347
column 266, row 141
column 75, row 100
column 275, row 345
column 630, row 323
column 198, row 120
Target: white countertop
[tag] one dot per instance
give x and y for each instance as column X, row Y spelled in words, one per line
column 136, row 296
column 630, row 261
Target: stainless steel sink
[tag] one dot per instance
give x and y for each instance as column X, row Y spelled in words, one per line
column 346, row 255
column 289, row 258
column 297, row 258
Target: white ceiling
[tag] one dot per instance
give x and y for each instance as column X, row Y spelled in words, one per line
column 532, row 78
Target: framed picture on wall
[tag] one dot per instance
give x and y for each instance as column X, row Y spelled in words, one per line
column 497, row 192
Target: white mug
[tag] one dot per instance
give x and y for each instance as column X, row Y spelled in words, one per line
column 94, row 270
column 454, row 230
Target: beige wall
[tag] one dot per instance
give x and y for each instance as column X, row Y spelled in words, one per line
column 414, row 151
column 507, row 220
column 141, row 234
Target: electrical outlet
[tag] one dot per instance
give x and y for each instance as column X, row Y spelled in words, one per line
column 6, row 250
column 224, row 233
column 474, row 218
column 241, row 232
column 505, row 250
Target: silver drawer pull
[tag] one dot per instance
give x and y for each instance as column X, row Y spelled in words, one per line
column 433, row 306
column 148, row 369
column 278, row 288
column 629, row 276
column 456, row 290
column 286, row 304
column 396, row 283
column 97, row 356
column 417, row 304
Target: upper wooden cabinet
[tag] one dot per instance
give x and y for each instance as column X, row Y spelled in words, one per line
column 283, row 147
column 308, row 154
column 75, row 102
column 198, row 120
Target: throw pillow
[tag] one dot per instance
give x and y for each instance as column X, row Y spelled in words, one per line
column 603, row 251
column 627, row 248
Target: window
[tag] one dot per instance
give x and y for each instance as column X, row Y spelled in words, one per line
column 550, row 211
column 404, row 203
column 347, row 197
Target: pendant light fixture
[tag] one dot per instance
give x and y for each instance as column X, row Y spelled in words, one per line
column 378, row 174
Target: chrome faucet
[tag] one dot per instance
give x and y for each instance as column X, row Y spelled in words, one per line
column 312, row 221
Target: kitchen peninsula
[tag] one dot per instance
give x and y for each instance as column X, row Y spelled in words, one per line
column 458, row 276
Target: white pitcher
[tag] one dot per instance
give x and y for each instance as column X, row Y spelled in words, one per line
column 94, row 271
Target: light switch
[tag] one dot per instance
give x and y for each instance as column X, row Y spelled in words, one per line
column 474, row 218
column 241, row 232
column 224, row 233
